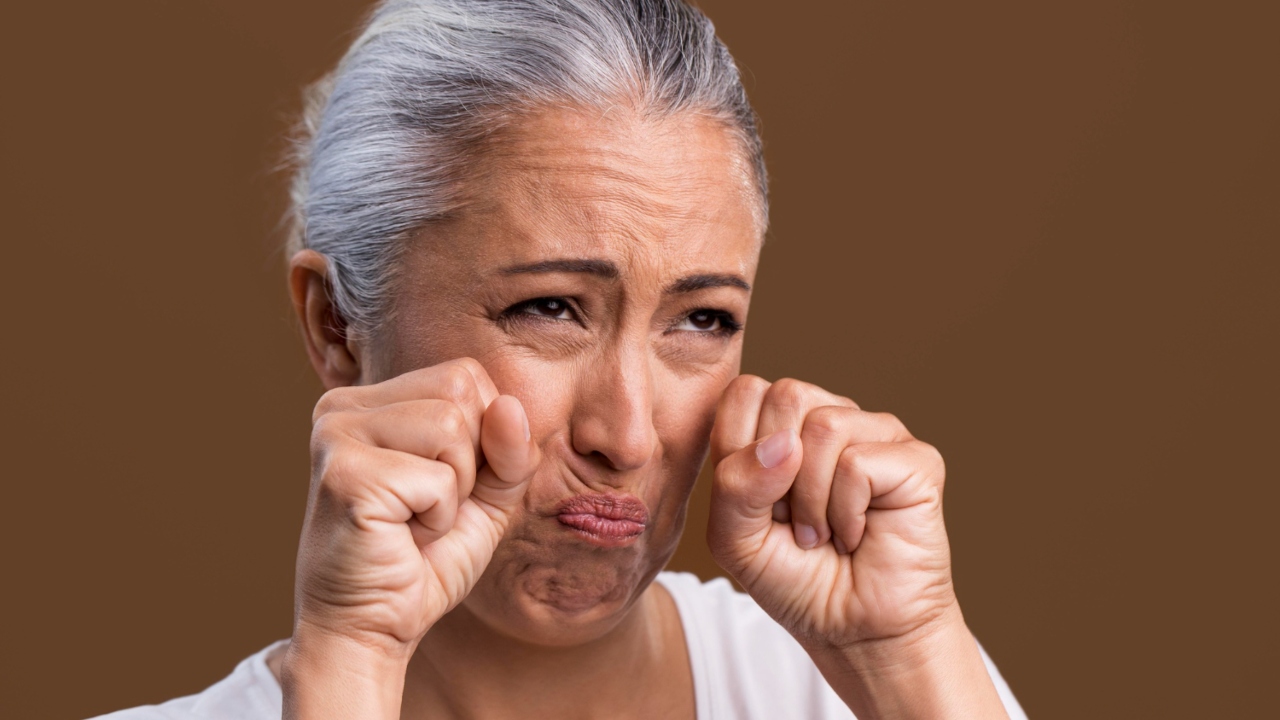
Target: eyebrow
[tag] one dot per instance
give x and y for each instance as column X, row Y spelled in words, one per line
column 606, row 269
column 707, row 280
column 603, row 268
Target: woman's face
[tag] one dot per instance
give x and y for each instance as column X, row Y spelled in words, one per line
column 601, row 273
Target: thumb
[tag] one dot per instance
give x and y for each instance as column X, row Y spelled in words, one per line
column 510, row 455
column 747, row 483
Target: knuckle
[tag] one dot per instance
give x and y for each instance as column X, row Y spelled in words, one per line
column 892, row 421
column 850, row 462
column 788, row 391
column 792, row 393
column 333, row 400
column 350, row 508
column 722, row 469
column 435, row 482
column 458, row 385
column 471, row 366
column 749, row 385
column 889, row 418
column 825, row 423
column 327, row 429
column 451, row 421
column 340, row 471
column 446, row 486
column 934, row 461
column 726, row 472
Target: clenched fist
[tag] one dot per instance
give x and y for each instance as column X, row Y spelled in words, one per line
column 413, row 483
column 831, row 518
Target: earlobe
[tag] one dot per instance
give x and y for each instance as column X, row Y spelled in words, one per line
column 324, row 331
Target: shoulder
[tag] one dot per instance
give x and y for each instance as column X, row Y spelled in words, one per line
column 745, row 665
column 716, row 612
column 250, row 692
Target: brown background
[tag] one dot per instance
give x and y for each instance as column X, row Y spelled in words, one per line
column 1044, row 234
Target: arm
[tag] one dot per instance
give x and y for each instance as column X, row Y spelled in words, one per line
column 324, row 676
column 937, row 674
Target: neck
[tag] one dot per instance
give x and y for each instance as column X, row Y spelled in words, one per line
column 463, row 669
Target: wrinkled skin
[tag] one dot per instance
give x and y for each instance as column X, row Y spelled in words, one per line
column 595, row 283
column 621, row 386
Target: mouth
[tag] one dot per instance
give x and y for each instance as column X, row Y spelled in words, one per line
column 607, row 520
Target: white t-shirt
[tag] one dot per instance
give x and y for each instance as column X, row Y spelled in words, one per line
column 745, row 667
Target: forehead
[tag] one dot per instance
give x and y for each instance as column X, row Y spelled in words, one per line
column 674, row 192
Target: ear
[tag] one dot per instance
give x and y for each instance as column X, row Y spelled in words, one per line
column 335, row 357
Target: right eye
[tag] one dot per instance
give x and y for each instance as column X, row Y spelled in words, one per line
column 551, row 308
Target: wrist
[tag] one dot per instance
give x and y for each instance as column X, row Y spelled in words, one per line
column 934, row 671
column 323, row 675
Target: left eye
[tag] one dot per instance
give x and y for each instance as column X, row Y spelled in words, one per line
column 702, row 321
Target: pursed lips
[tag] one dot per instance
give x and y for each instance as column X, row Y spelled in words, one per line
column 605, row 519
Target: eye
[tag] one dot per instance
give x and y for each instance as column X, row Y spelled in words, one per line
column 709, row 321
column 551, row 308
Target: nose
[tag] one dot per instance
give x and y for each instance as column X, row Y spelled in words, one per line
column 613, row 415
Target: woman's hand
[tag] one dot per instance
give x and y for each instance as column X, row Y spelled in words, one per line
column 413, row 482
column 831, row 518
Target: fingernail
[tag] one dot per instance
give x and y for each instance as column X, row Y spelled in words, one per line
column 776, row 448
column 525, row 415
column 840, row 546
column 806, row 536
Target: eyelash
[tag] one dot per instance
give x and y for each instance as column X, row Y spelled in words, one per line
column 520, row 312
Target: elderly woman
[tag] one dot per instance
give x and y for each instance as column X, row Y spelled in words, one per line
column 526, row 235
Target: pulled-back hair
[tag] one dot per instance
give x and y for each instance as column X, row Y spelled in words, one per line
column 386, row 138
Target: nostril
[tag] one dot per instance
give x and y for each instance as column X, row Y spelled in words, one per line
column 604, row 459
column 608, row 463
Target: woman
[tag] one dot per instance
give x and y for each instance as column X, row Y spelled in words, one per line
column 526, row 233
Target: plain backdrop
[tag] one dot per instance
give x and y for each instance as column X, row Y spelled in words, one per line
column 1043, row 234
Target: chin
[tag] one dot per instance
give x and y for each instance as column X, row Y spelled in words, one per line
column 556, row 586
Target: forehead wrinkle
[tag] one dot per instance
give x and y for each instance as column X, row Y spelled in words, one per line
column 630, row 148
column 611, row 199
column 576, row 185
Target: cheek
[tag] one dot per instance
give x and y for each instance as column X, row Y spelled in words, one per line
column 416, row 340
column 685, row 410
column 545, row 389
column 684, row 413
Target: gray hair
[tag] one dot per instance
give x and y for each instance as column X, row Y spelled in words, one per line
column 386, row 138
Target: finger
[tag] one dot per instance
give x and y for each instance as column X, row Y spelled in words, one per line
column 850, row 496
column 432, row 429
column 747, row 484
column 822, row 437
column 787, row 403
column 374, row 485
column 737, row 414
column 827, row 431
column 463, row 381
column 511, row 455
column 881, row 476
column 902, row 475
